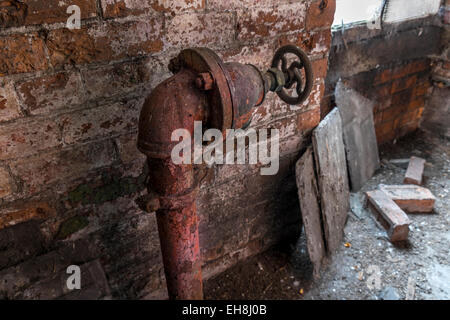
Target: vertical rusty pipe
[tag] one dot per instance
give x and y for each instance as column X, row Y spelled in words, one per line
column 178, row 228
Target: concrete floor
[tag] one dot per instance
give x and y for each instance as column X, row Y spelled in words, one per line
column 372, row 267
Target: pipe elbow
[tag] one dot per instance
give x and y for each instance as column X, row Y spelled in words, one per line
column 174, row 104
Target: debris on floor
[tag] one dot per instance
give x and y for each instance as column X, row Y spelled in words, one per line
column 417, row 269
column 415, row 171
column 410, row 198
column 389, row 214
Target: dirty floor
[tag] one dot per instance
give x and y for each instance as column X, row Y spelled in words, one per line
column 368, row 266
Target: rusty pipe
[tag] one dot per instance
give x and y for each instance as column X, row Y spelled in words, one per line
column 220, row 96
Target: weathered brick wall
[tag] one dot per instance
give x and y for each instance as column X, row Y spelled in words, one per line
column 437, row 114
column 391, row 66
column 69, row 105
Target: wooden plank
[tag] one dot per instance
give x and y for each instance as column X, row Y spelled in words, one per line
column 359, row 135
column 411, row 198
column 331, row 169
column 309, row 205
column 389, row 214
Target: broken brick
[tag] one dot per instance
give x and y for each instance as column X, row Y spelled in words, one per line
column 410, row 198
column 415, row 171
column 389, row 214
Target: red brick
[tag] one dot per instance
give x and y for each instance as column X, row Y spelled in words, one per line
column 104, row 42
column 267, row 22
column 381, row 91
column 389, row 214
column 9, row 104
column 407, row 118
column 415, row 171
column 308, row 120
column 52, row 11
column 403, row 84
column 410, row 68
column 22, row 53
column 39, row 172
column 49, row 93
column 201, row 29
column 410, row 198
column 320, row 68
column 23, row 138
column 22, row 213
column 394, row 112
column 383, row 77
column 417, row 103
column 100, row 121
column 320, row 14
column 6, row 187
column 115, row 79
column 402, row 98
column 422, row 88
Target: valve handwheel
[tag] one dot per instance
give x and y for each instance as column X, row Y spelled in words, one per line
column 293, row 74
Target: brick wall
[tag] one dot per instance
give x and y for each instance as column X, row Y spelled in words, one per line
column 69, row 105
column 391, row 66
column 437, row 114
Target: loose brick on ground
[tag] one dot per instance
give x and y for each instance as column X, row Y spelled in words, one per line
column 410, row 198
column 415, row 171
column 389, row 214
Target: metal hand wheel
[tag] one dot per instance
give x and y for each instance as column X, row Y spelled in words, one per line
column 293, row 74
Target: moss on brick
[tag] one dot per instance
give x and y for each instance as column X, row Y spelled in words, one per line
column 112, row 188
column 72, row 225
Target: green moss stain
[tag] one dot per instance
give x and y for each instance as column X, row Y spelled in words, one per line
column 72, row 225
column 112, row 187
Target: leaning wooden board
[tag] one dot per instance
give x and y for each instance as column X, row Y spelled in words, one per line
column 332, row 175
column 308, row 195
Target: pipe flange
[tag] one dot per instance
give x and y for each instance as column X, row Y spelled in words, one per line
column 204, row 61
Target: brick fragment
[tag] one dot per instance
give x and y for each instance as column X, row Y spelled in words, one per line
column 393, row 219
column 411, row 198
column 414, row 173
